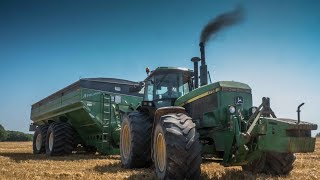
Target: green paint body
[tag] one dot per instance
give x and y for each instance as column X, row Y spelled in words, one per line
column 95, row 115
column 223, row 134
column 226, row 130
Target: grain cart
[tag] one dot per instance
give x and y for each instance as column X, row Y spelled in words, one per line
column 178, row 122
column 86, row 113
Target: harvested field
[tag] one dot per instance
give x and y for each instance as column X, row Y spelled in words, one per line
column 18, row 162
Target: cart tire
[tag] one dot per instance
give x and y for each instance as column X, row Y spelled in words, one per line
column 59, row 140
column 39, row 139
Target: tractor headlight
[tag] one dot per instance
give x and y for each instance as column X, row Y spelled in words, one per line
column 232, row 109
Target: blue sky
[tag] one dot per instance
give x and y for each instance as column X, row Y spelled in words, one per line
column 45, row 46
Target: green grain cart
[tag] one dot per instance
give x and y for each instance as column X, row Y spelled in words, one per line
column 85, row 115
column 179, row 122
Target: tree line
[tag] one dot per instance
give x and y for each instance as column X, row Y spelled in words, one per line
column 13, row 135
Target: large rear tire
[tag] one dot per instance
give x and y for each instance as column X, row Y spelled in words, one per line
column 59, row 140
column 39, row 139
column 176, row 148
column 272, row 163
column 135, row 140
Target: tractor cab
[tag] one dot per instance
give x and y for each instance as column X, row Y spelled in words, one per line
column 166, row 84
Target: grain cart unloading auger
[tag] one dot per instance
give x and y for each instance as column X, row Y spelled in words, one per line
column 178, row 122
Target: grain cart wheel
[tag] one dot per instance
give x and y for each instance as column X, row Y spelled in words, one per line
column 135, row 140
column 59, row 139
column 279, row 163
column 39, row 139
column 176, row 148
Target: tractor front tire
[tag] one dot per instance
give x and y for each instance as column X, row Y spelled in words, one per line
column 39, row 139
column 176, row 148
column 272, row 163
column 59, row 140
column 135, row 140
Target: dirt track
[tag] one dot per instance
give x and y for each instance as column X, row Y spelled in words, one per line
column 18, row 162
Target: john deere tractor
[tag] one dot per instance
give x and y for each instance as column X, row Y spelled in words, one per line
column 179, row 122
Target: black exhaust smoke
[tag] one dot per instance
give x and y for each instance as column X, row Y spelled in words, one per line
column 212, row 28
column 220, row 22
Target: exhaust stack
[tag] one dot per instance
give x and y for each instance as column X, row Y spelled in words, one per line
column 195, row 61
column 211, row 30
column 203, row 67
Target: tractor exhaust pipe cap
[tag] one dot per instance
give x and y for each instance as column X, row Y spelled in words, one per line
column 298, row 111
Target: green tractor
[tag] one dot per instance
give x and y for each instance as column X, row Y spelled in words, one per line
column 179, row 122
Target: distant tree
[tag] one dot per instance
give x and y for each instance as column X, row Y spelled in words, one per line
column 318, row 135
column 13, row 135
column 18, row 136
column 3, row 133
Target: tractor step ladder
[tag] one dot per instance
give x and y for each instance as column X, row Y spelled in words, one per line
column 106, row 123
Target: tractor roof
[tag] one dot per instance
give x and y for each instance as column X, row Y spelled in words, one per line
column 165, row 70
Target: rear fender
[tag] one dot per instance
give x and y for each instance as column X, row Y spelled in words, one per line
column 167, row 110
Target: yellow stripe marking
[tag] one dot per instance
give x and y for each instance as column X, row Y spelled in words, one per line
column 201, row 96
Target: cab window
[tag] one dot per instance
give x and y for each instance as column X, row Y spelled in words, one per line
column 166, row 86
